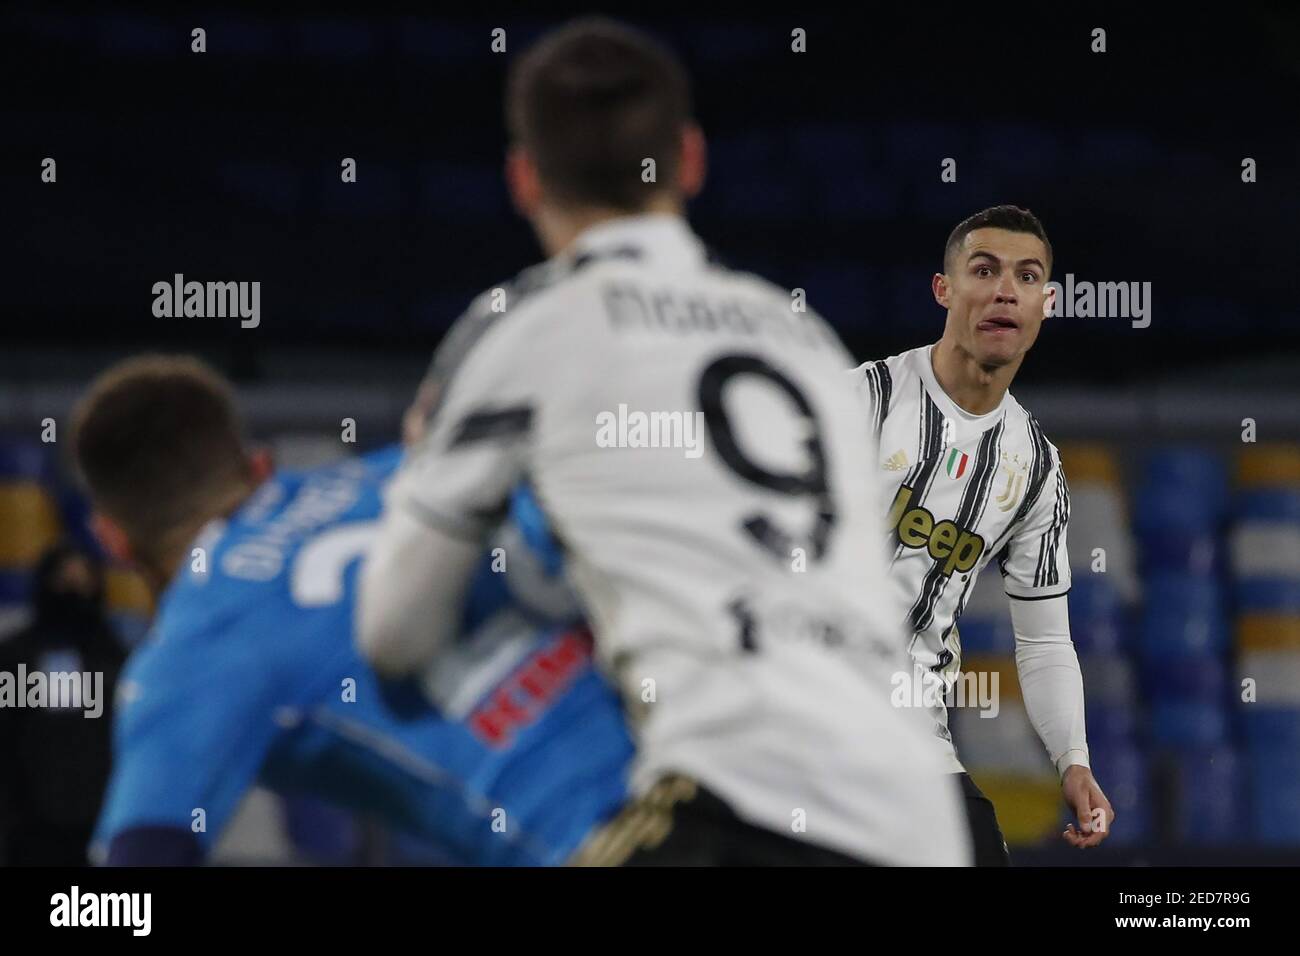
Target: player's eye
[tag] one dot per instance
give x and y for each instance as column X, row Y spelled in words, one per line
column 983, row 271
column 1029, row 277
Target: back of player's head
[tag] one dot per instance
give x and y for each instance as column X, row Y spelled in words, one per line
column 1011, row 218
column 158, row 441
column 590, row 102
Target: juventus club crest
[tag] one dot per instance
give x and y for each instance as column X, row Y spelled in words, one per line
column 1011, row 484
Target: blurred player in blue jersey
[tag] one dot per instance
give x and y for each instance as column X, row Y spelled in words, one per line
column 513, row 755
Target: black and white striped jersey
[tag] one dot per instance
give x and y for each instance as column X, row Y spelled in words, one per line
column 698, row 449
column 960, row 490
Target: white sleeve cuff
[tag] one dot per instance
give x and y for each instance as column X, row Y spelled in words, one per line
column 1072, row 758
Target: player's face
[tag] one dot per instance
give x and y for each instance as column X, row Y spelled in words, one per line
column 995, row 294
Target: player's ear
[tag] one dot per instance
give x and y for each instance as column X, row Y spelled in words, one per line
column 522, row 181
column 112, row 537
column 695, row 163
column 260, row 465
column 939, row 286
column 1049, row 300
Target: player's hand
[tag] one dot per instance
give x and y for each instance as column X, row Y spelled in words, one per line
column 1089, row 805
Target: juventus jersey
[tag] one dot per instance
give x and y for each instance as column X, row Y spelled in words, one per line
column 699, row 451
column 961, row 490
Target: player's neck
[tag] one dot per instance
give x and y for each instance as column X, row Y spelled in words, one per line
column 161, row 566
column 974, row 388
column 557, row 227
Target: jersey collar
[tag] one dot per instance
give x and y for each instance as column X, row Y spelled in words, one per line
column 925, row 363
column 665, row 239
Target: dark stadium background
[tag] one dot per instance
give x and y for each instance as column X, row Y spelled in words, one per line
column 824, row 174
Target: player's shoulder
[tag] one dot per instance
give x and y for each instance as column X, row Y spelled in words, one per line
column 750, row 284
column 192, row 642
column 206, row 599
column 335, row 490
column 520, row 294
column 330, row 509
column 213, row 627
column 1023, row 429
column 538, row 290
column 242, row 568
column 1025, row 442
column 882, row 380
column 897, row 367
column 506, row 316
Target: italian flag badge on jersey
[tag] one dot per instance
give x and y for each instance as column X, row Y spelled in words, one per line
column 956, row 465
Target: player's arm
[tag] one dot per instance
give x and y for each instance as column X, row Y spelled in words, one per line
column 413, row 584
column 453, row 489
column 1035, row 570
column 189, row 740
column 1036, row 575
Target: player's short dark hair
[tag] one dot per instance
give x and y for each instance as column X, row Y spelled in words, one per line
column 1013, row 218
column 589, row 102
column 155, row 438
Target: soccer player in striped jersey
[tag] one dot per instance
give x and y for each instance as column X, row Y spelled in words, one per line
column 971, row 478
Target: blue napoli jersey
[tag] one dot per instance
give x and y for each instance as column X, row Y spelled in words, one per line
column 512, row 752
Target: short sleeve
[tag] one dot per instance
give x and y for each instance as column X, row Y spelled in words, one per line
column 1035, row 563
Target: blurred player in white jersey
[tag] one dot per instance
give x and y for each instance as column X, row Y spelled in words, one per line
column 699, row 452
column 971, row 478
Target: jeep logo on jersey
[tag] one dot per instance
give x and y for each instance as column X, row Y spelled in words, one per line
column 955, row 548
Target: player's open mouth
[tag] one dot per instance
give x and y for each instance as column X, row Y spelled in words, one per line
column 998, row 323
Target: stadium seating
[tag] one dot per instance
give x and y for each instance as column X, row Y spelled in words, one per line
column 1265, row 549
column 1178, row 511
column 29, row 524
